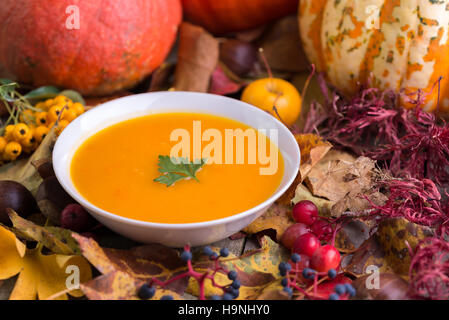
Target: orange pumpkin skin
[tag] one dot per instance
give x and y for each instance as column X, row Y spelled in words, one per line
column 221, row 16
column 118, row 42
column 388, row 42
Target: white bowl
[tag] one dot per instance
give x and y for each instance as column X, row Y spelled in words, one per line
column 174, row 235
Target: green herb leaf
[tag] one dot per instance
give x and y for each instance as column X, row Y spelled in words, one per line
column 174, row 169
column 73, row 95
column 42, row 93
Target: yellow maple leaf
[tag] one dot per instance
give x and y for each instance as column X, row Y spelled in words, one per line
column 40, row 275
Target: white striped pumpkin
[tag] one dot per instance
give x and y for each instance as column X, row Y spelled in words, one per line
column 401, row 43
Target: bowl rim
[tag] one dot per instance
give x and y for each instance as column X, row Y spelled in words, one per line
column 204, row 224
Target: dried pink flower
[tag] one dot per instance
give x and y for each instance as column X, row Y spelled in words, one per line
column 372, row 123
column 429, row 269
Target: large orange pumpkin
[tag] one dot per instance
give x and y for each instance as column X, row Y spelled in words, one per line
column 221, row 16
column 400, row 43
column 117, row 44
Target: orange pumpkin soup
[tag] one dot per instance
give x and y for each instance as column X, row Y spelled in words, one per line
column 116, row 167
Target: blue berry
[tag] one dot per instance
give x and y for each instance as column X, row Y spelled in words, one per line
column 332, row 273
column 167, row 297
column 232, row 275
column 234, row 292
column 284, row 282
column 340, row 289
column 334, row 296
column 284, row 268
column 296, row 258
column 213, row 256
column 146, row 292
column 208, row 251
column 215, row 297
column 288, row 290
column 224, row 252
column 186, row 256
column 350, row 289
column 308, row 273
column 227, row 296
column 235, row 284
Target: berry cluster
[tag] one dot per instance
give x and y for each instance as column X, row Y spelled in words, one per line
column 299, row 278
column 28, row 125
column 230, row 291
column 304, row 238
column 310, row 258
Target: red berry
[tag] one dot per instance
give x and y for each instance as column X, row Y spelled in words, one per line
column 292, row 233
column 322, row 229
column 76, row 218
column 305, row 212
column 306, row 244
column 325, row 258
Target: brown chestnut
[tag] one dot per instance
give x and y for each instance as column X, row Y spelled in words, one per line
column 15, row 196
column 391, row 287
column 239, row 56
column 52, row 199
column 44, row 167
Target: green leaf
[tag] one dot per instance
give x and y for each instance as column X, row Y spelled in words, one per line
column 42, row 93
column 73, row 95
column 4, row 81
column 175, row 169
column 7, row 88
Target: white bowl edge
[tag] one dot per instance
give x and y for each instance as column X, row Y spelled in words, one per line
column 129, row 107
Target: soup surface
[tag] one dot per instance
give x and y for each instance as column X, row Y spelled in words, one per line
column 115, row 168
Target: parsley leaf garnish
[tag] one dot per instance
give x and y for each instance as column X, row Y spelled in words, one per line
column 174, row 169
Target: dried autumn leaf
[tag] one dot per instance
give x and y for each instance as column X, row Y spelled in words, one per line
column 339, row 174
column 393, row 234
column 369, row 254
column 302, row 193
column 326, row 288
column 119, row 285
column 23, row 171
column 138, row 263
column 257, row 271
column 277, row 217
column 358, row 202
column 273, row 292
column 197, row 58
column 58, row 240
column 221, row 83
column 391, row 287
column 387, row 248
column 40, row 275
column 160, row 77
column 351, row 236
column 313, row 149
